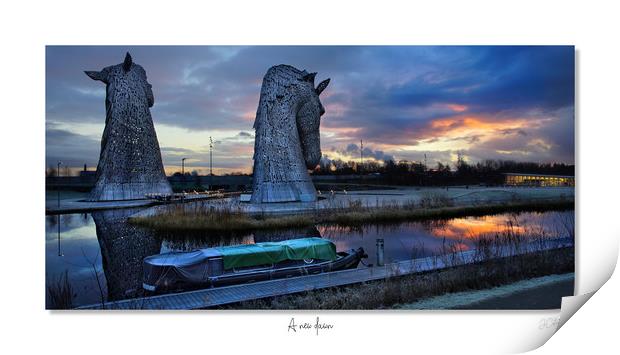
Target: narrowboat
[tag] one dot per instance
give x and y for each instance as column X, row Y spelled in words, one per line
column 238, row 264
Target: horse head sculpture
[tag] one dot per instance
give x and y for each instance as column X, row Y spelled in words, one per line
column 130, row 164
column 287, row 141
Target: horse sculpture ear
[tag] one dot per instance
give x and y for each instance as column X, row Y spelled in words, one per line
column 95, row 75
column 127, row 63
column 310, row 78
column 322, row 85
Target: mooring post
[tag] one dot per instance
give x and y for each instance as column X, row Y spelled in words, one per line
column 380, row 250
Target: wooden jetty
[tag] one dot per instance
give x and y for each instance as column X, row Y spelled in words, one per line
column 218, row 296
column 81, row 205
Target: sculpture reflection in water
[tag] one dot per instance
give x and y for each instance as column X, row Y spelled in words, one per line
column 123, row 247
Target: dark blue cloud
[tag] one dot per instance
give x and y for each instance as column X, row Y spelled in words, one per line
column 501, row 78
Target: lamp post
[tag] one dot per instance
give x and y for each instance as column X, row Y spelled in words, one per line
column 211, row 145
column 361, row 157
column 211, row 156
column 210, row 162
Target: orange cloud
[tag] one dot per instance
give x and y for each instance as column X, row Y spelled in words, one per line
column 461, row 132
column 443, row 123
column 457, row 108
column 464, row 123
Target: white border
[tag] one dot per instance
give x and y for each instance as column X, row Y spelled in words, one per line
column 27, row 27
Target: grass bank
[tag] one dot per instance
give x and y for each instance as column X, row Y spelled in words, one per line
column 227, row 219
column 395, row 291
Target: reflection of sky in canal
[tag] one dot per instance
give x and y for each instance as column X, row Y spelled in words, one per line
column 79, row 250
column 419, row 239
column 116, row 248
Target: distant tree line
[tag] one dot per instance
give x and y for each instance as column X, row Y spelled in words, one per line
column 195, row 173
column 52, row 171
column 406, row 172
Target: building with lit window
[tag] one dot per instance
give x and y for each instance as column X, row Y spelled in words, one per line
column 516, row 179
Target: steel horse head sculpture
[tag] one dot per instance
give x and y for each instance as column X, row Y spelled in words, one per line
column 287, row 141
column 130, row 164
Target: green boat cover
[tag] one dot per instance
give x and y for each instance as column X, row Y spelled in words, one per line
column 273, row 252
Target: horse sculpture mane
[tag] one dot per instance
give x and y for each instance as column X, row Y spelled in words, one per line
column 287, row 141
column 130, row 164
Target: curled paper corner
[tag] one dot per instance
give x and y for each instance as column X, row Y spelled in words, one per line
column 571, row 304
column 550, row 324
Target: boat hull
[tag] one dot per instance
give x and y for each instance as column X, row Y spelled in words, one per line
column 168, row 278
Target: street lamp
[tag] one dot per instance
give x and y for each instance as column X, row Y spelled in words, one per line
column 361, row 156
column 211, row 156
column 210, row 163
column 211, row 143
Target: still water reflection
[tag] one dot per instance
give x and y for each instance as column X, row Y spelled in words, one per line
column 102, row 254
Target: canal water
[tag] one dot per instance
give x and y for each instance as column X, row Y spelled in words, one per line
column 102, row 254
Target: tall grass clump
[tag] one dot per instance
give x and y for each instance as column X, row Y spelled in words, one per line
column 60, row 294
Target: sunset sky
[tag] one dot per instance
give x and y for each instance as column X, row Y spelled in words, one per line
column 488, row 102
